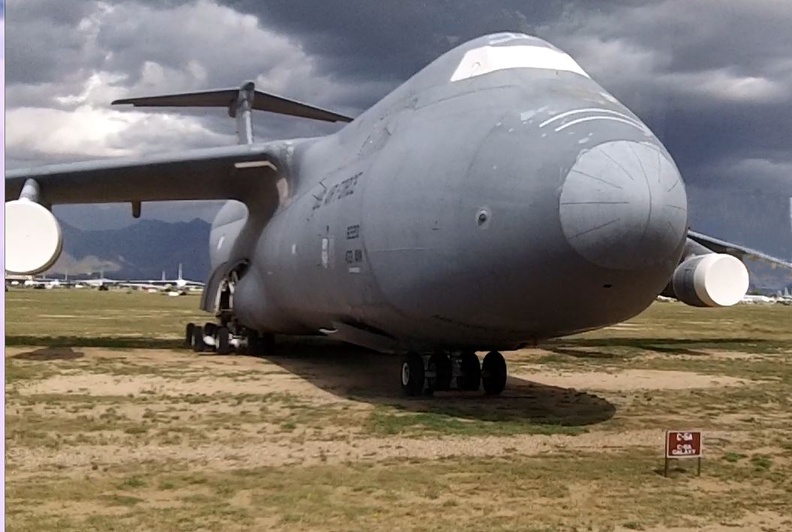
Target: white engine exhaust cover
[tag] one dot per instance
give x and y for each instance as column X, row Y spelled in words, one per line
column 33, row 238
column 712, row 280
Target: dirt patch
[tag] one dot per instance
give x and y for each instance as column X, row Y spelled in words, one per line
column 625, row 379
column 284, row 452
column 764, row 521
column 135, row 385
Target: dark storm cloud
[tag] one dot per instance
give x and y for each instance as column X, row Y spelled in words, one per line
column 712, row 78
column 392, row 40
column 44, row 40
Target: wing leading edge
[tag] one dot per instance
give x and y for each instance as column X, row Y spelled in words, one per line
column 231, row 172
column 249, row 173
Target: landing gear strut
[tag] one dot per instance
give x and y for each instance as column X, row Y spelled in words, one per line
column 459, row 371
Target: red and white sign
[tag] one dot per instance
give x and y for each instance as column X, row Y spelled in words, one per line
column 683, row 444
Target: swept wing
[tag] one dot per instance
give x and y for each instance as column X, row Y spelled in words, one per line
column 229, row 172
column 722, row 246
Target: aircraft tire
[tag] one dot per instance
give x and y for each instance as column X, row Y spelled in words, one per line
column 471, row 372
column 188, row 334
column 199, row 346
column 223, row 345
column 210, row 329
column 441, row 364
column 413, row 375
column 494, row 373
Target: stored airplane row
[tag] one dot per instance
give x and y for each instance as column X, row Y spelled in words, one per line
column 179, row 284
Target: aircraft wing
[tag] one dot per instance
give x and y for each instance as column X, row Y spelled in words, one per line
column 721, row 246
column 229, row 172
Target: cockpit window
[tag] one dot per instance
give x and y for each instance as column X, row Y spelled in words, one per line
column 486, row 59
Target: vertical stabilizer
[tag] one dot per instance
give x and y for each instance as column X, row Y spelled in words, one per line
column 179, row 278
column 241, row 110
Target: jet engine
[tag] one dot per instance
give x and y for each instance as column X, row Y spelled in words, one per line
column 710, row 280
column 33, row 239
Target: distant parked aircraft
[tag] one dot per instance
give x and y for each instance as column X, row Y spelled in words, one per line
column 180, row 283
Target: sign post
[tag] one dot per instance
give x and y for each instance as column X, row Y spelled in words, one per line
column 683, row 444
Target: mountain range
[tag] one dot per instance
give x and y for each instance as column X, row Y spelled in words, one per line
column 140, row 251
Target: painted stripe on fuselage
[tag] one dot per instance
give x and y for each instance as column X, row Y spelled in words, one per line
column 584, row 110
column 612, row 118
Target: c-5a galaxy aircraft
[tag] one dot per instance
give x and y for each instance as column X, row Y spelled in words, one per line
column 497, row 198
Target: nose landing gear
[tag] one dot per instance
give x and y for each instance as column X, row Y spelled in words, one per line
column 426, row 374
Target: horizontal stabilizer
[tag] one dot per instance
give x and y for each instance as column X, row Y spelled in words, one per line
column 262, row 101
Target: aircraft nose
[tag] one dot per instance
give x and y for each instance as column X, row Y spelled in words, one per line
column 623, row 206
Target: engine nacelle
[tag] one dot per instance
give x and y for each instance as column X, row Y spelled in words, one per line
column 711, row 280
column 33, row 237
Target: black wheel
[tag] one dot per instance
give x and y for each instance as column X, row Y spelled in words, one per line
column 412, row 374
column 493, row 373
column 199, row 345
column 223, row 347
column 441, row 364
column 188, row 334
column 210, row 329
column 471, row 372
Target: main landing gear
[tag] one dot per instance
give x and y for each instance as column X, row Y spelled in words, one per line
column 226, row 339
column 426, row 374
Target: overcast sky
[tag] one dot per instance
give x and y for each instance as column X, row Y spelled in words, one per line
column 712, row 78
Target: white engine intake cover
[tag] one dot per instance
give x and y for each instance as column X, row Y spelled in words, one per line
column 713, row 280
column 33, row 238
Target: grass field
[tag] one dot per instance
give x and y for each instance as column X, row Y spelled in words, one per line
column 112, row 425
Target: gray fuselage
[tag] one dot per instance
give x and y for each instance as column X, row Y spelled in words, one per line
column 486, row 212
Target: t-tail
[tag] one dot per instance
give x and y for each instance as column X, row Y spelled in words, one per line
column 239, row 102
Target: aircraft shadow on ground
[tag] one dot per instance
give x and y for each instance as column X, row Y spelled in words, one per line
column 46, row 354
column 588, row 347
column 359, row 374
column 107, row 342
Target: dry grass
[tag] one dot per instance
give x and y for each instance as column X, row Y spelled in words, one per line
column 109, row 430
